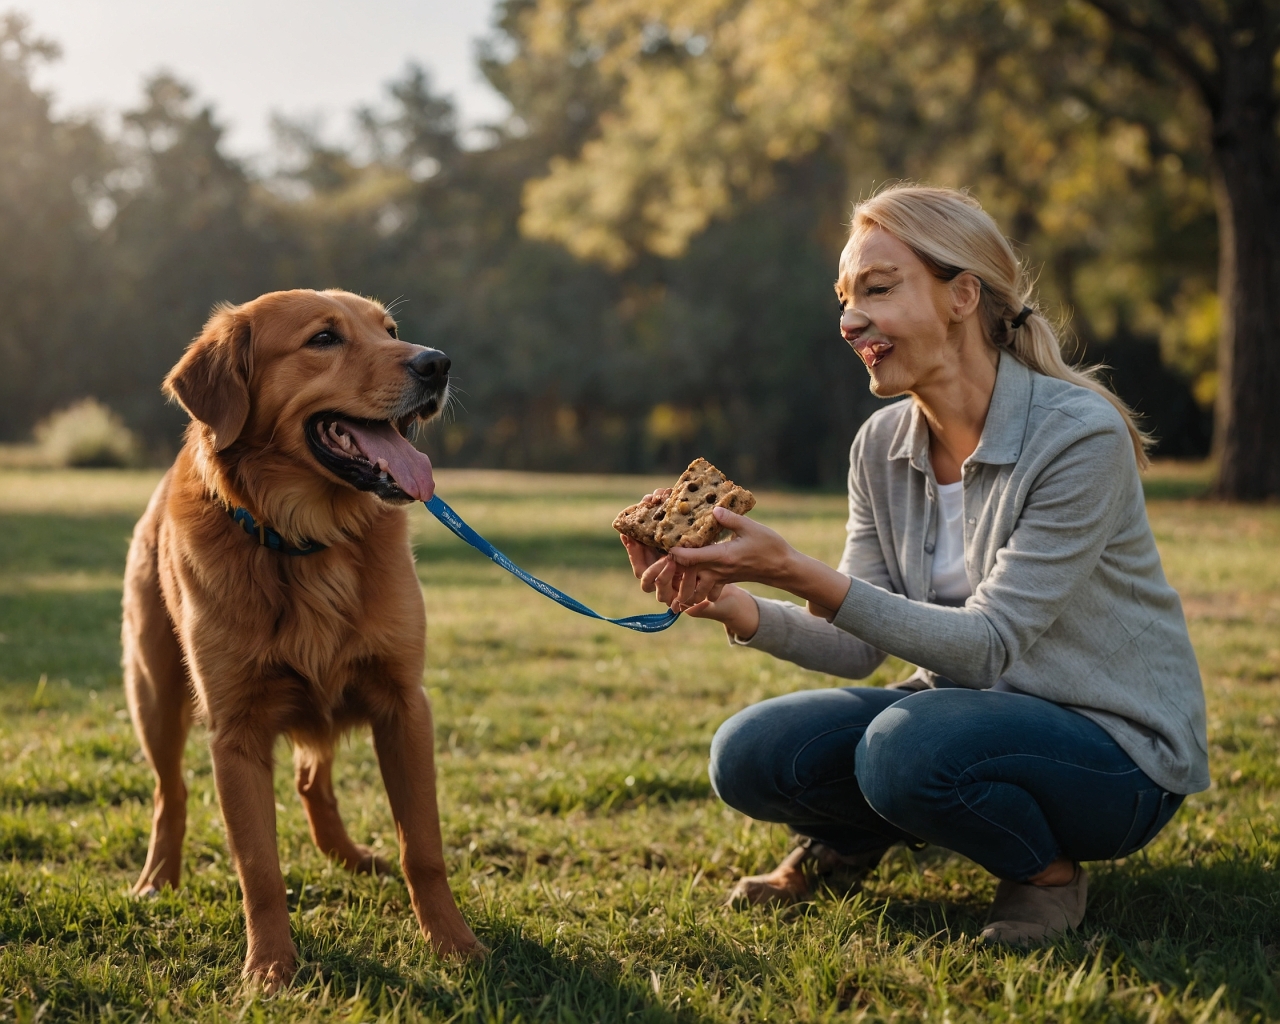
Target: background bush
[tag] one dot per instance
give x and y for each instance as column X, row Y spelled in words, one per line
column 86, row 434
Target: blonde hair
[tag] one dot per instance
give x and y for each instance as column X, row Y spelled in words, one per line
column 950, row 233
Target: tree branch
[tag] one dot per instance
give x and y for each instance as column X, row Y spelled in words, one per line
column 1165, row 41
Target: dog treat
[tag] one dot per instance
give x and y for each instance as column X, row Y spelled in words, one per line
column 684, row 520
column 641, row 521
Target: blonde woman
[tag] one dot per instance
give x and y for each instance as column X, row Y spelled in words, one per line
column 998, row 539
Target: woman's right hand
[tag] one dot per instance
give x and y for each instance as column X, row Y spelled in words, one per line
column 734, row 607
column 729, row 604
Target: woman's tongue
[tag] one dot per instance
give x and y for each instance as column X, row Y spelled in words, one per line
column 384, row 447
column 872, row 350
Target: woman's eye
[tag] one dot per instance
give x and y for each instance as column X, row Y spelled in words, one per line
column 324, row 339
column 877, row 289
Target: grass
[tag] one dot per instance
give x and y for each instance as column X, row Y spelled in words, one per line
column 585, row 845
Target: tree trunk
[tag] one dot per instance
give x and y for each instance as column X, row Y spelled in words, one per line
column 1247, row 171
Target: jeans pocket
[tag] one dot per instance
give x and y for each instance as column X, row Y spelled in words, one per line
column 1152, row 810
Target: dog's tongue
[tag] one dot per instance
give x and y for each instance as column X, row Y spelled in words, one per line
column 410, row 469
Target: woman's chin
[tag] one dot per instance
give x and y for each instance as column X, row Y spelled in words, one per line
column 885, row 384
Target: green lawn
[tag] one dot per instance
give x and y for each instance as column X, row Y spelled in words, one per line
column 586, row 848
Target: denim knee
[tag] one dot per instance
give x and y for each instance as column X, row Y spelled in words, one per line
column 741, row 770
column 893, row 764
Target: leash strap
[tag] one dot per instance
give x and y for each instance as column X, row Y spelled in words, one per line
column 653, row 623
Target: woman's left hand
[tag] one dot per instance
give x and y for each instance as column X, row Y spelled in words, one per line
column 756, row 554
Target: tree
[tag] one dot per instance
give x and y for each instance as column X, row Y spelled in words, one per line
column 51, row 175
column 1227, row 50
column 1093, row 162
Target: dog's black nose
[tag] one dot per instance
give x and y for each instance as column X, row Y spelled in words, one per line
column 432, row 366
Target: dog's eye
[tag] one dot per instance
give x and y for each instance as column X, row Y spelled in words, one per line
column 392, row 331
column 324, row 340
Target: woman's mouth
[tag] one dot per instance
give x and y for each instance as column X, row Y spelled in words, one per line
column 872, row 350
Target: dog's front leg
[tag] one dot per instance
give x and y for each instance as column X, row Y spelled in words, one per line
column 242, row 770
column 404, row 738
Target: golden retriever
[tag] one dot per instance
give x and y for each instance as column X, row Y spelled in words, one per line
column 308, row 625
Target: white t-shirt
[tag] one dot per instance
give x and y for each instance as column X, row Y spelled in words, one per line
column 949, row 579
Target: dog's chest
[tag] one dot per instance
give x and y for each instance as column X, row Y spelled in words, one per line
column 324, row 629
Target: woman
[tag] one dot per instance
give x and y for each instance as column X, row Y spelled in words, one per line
column 997, row 538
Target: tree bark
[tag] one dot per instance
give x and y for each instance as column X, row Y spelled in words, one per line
column 1247, row 185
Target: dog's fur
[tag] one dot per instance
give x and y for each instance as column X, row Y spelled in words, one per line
column 257, row 642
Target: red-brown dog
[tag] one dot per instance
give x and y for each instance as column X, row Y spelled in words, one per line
column 303, row 615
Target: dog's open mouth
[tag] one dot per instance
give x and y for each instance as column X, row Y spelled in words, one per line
column 371, row 455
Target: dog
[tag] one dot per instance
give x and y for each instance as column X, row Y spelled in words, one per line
column 270, row 588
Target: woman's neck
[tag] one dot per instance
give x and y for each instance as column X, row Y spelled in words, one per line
column 955, row 402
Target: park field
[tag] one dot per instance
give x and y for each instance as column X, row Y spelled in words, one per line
column 585, row 845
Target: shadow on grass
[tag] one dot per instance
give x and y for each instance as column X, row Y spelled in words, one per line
column 1215, row 923
column 1212, row 924
column 520, row 979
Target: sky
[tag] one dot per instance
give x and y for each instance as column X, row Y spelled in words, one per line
column 249, row 58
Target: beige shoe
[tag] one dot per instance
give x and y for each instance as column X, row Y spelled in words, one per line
column 1025, row 915
column 793, row 879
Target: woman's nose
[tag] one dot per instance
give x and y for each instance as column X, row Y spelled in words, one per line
column 852, row 322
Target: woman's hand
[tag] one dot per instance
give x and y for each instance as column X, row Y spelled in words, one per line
column 734, row 607
column 756, row 554
column 730, row 605
column 641, row 556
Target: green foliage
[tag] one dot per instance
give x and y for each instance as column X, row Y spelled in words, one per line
column 636, row 268
column 581, row 836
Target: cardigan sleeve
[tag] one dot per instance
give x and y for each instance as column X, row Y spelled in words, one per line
column 789, row 632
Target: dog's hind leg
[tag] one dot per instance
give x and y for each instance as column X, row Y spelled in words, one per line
column 313, row 770
column 157, row 691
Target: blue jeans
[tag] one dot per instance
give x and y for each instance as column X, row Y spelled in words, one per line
column 1008, row 780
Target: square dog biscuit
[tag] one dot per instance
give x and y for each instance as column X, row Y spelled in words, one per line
column 640, row 522
column 684, row 520
column 688, row 522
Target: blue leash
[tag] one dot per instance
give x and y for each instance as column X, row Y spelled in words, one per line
column 654, row 623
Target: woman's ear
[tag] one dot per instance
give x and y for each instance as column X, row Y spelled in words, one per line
column 211, row 380
column 966, row 293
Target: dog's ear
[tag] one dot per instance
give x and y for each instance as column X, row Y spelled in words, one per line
column 211, row 380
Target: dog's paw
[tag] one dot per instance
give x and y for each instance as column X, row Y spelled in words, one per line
column 268, row 973
column 456, row 941
column 366, row 862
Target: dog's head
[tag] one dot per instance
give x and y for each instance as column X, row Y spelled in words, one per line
column 312, row 384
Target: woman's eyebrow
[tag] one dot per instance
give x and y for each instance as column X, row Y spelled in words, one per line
column 877, row 268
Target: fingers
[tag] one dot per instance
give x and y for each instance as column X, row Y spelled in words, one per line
column 641, row 556
column 693, row 588
column 663, row 577
column 649, row 577
column 668, row 582
column 731, row 520
column 701, row 610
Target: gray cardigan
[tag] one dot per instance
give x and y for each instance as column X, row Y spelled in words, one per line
column 1069, row 600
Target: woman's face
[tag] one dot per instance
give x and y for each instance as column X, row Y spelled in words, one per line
column 897, row 316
